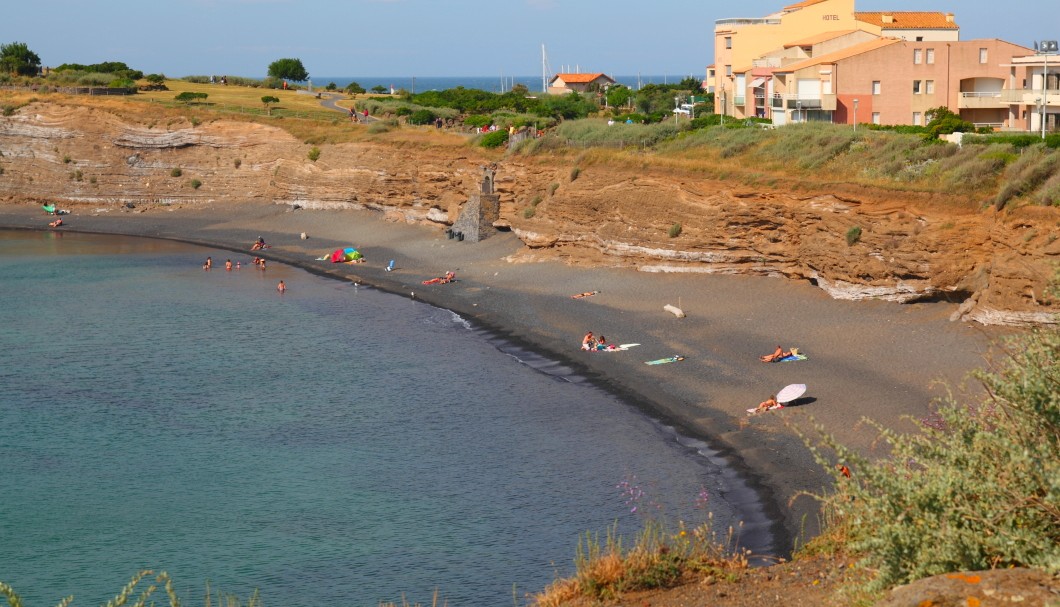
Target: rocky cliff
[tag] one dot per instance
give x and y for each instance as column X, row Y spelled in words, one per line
column 855, row 242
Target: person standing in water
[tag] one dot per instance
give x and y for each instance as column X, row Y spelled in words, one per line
column 282, row 288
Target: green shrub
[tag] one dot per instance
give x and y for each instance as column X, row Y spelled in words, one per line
column 77, row 175
column 675, row 230
column 974, row 488
column 314, row 153
column 529, row 212
column 176, row 172
column 237, row 162
column 552, row 187
column 422, row 117
column 194, row 120
column 378, row 127
column 66, row 160
column 195, row 184
column 477, row 120
column 574, row 173
column 853, row 235
column 494, row 139
column 535, row 201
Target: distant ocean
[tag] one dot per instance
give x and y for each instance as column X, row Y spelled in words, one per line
column 493, row 84
column 335, row 445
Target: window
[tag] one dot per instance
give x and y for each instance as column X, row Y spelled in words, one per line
column 875, row 118
column 929, row 87
column 916, row 119
column 916, row 86
column 875, row 87
column 919, row 38
column 930, row 56
column 982, row 55
column 728, row 41
column 918, row 56
column 728, row 71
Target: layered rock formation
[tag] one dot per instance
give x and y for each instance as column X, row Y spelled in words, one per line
column 904, row 246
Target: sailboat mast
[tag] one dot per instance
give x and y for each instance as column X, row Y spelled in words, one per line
column 544, row 70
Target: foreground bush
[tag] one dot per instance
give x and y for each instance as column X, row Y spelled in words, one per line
column 658, row 559
column 977, row 488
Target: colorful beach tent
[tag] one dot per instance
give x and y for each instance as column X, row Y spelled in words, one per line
column 347, row 254
column 48, row 208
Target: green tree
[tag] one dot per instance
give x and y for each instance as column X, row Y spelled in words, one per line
column 266, row 100
column 155, row 79
column 353, row 89
column 288, row 69
column 618, row 95
column 943, row 122
column 379, row 89
column 16, row 58
column 331, row 86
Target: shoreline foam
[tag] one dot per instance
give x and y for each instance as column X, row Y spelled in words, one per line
column 867, row 359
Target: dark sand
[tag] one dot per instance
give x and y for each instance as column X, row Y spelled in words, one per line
column 866, row 359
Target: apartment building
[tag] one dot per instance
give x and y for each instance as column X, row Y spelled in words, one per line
column 898, row 81
column 740, row 42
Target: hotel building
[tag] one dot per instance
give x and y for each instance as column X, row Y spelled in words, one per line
column 820, row 60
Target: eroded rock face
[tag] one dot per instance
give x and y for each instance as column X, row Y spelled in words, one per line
column 911, row 246
column 998, row 587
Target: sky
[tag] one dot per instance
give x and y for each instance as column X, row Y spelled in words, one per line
column 350, row 38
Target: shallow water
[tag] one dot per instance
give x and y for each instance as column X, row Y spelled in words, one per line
column 334, row 445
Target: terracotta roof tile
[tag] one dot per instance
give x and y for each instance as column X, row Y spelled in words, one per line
column 822, row 37
column 580, row 78
column 851, row 51
column 908, row 20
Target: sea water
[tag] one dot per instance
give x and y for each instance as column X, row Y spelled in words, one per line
column 330, row 446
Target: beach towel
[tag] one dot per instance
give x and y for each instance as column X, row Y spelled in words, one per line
column 755, row 411
column 614, row 348
column 663, row 361
column 791, row 358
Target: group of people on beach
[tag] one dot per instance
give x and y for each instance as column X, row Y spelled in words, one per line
column 591, row 343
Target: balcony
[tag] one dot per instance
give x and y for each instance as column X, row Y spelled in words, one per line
column 984, row 100
column 1031, row 97
column 788, row 101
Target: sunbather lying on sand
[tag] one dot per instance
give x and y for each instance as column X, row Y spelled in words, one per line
column 768, row 404
column 585, row 294
column 777, row 354
column 441, row 280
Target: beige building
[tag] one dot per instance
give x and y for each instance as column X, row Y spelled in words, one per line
column 741, row 44
column 581, row 83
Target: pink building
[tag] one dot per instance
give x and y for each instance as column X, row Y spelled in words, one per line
column 893, row 81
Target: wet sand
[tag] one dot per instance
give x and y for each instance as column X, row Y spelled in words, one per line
column 875, row 360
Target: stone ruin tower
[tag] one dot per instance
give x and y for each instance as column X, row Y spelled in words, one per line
column 481, row 210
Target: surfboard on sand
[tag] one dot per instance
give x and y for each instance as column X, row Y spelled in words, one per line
column 663, row 361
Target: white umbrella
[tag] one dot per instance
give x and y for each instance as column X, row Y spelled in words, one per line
column 790, row 393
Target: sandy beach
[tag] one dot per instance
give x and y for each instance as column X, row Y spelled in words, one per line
column 875, row 360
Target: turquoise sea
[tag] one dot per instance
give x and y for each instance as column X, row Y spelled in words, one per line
column 331, row 446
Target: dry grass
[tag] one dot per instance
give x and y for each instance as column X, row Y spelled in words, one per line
column 658, row 559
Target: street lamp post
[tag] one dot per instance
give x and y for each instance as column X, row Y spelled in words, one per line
column 1045, row 47
column 855, row 114
column 677, row 106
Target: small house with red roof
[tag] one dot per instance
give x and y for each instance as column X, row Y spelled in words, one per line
column 561, row 84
